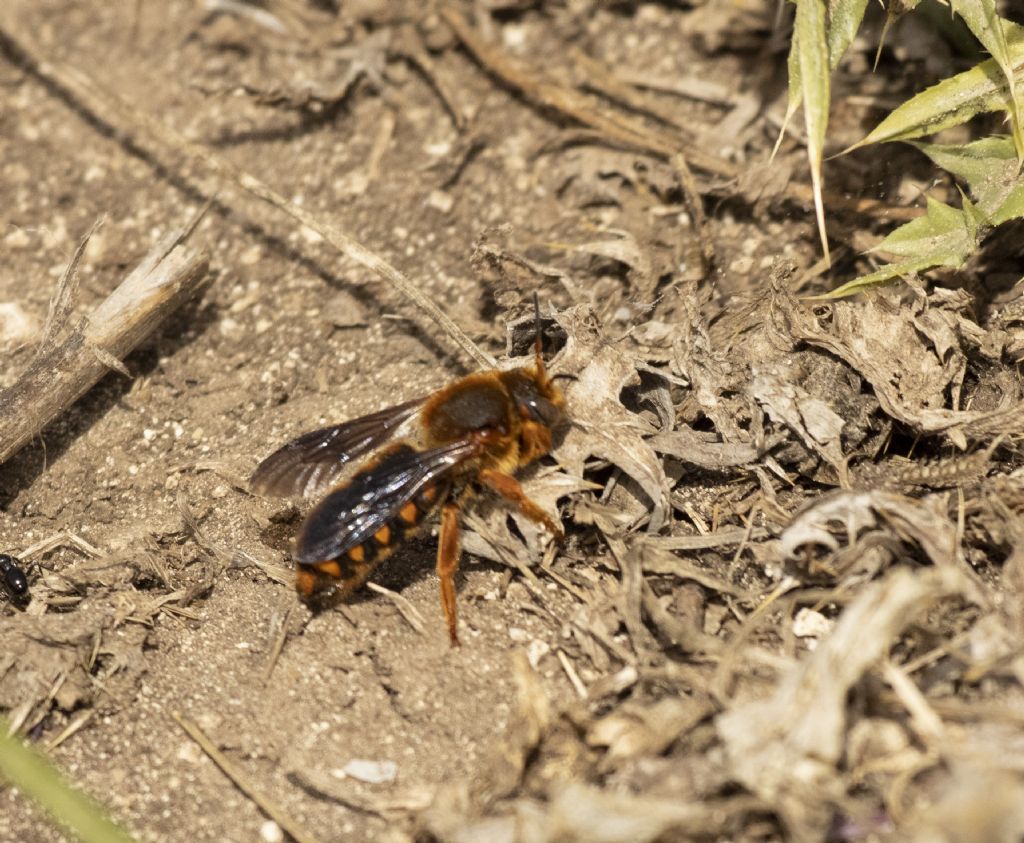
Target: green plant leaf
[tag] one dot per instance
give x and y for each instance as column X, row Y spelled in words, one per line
column 989, row 167
column 889, row 272
column 844, row 19
column 945, row 236
column 1012, row 207
column 975, row 220
column 941, row 234
column 812, row 52
column 955, row 100
column 894, row 10
column 33, row 775
column 980, row 16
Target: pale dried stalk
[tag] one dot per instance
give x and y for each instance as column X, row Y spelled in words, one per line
column 64, row 370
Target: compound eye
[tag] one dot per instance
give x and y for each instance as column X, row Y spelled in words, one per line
column 542, row 410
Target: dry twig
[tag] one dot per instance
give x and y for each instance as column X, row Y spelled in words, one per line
column 63, row 370
column 243, row 782
column 405, row 608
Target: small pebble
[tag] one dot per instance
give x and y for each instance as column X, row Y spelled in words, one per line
column 440, row 200
column 190, row 753
column 311, row 237
column 271, row 832
column 741, row 266
column 536, row 650
column 438, row 150
column 16, row 326
column 623, row 315
column 251, row 256
column 228, row 326
column 371, row 772
column 18, row 239
column 811, row 624
column 98, row 247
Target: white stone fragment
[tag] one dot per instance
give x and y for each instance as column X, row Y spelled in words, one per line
column 811, row 624
column 371, row 772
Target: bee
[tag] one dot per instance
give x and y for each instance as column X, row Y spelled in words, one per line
column 473, row 435
column 14, row 579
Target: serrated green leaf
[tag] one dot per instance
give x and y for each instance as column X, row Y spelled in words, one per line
column 955, row 100
column 982, row 19
column 931, row 234
column 974, row 219
column 945, row 236
column 1012, row 208
column 844, row 19
column 952, row 29
column 990, row 168
column 894, row 10
column 812, row 52
column 889, row 272
column 978, row 163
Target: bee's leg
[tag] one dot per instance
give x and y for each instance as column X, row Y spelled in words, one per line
column 508, row 487
column 449, row 548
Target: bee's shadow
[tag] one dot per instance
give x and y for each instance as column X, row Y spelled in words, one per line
column 415, row 560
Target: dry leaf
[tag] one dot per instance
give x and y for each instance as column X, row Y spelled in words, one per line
column 810, row 418
column 602, row 427
column 785, row 748
column 626, row 250
column 634, row 730
column 913, row 355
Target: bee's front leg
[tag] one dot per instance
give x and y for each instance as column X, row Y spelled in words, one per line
column 508, row 487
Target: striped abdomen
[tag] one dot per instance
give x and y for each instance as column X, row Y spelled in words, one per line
column 348, row 570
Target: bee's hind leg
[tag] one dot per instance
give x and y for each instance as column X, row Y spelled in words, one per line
column 449, row 548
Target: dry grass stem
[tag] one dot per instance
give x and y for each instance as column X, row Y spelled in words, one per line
column 405, row 608
column 243, row 782
column 132, row 123
column 632, row 133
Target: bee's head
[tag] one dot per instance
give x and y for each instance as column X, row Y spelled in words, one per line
column 536, row 393
column 537, row 397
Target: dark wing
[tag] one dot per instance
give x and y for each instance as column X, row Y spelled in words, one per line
column 315, row 459
column 352, row 513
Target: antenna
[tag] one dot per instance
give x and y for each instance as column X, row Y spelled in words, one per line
column 537, row 341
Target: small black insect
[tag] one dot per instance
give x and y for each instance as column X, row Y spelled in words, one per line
column 14, row 579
